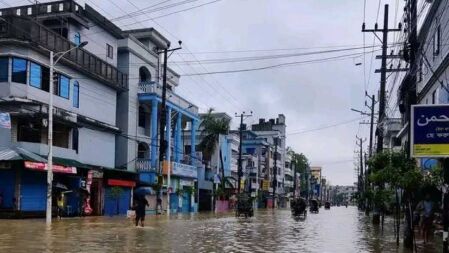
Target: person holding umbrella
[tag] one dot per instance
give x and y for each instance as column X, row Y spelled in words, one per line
column 141, row 204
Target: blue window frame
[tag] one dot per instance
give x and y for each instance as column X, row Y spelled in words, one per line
column 64, row 86
column 77, row 38
column 35, row 75
column 19, row 70
column 4, row 62
column 76, row 94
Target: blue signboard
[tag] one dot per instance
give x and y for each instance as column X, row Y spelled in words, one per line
column 430, row 131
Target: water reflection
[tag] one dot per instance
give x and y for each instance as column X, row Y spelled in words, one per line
column 337, row 230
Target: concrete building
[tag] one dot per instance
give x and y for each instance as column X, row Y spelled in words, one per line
column 139, row 109
column 315, row 179
column 107, row 100
column 273, row 131
column 432, row 68
column 211, row 173
column 87, row 84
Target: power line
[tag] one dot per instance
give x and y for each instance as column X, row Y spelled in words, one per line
column 327, row 126
column 340, row 57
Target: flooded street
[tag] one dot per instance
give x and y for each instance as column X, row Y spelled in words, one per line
column 337, row 230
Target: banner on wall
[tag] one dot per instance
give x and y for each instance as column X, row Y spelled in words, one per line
column 5, row 120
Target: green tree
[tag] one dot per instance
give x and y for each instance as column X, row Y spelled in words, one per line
column 212, row 127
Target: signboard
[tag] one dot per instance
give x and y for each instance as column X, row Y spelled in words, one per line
column 183, row 182
column 5, row 120
column 265, row 185
column 56, row 168
column 184, row 170
column 430, row 131
column 120, row 182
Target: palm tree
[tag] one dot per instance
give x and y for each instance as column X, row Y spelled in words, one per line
column 212, row 127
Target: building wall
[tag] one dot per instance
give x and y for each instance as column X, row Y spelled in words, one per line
column 96, row 147
column 93, row 94
column 97, row 38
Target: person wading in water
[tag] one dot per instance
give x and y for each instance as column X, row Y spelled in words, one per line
column 140, row 210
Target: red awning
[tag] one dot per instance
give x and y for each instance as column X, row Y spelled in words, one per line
column 43, row 167
column 119, row 182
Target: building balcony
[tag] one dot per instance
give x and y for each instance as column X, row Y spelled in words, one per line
column 288, row 171
column 144, row 165
column 153, row 88
column 25, row 31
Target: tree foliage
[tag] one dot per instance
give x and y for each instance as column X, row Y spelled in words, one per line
column 212, row 128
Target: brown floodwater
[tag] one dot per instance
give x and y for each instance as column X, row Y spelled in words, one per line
column 337, row 230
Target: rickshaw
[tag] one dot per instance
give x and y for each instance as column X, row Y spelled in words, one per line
column 244, row 206
column 314, row 206
column 298, row 207
column 327, row 205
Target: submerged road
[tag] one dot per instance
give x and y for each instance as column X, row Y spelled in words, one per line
column 337, row 230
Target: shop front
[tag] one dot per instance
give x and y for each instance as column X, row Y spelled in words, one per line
column 118, row 191
column 185, row 178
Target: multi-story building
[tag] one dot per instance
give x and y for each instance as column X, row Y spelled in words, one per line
column 138, row 112
column 432, row 66
column 315, row 173
column 289, row 176
column 273, row 131
column 216, row 165
column 107, row 98
column 87, row 83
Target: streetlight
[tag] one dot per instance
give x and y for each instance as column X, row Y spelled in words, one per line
column 50, row 129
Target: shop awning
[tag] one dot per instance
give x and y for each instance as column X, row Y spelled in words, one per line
column 70, row 163
column 19, row 154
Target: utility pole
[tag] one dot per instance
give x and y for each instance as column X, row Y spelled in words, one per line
column 361, row 170
column 294, row 179
column 373, row 102
column 163, row 124
column 240, row 169
column 383, row 72
column 275, row 171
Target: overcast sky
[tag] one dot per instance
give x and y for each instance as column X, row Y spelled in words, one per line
column 311, row 96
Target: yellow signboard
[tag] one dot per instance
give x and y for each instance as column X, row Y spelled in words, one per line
column 265, row 185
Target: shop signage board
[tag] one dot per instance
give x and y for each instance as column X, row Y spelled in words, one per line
column 430, row 131
column 265, row 185
column 43, row 167
column 184, row 170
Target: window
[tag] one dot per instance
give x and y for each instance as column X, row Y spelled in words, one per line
column 76, row 94
column 64, row 86
column 29, row 11
column 77, row 38
column 144, row 74
column 28, row 131
column 36, row 75
column 142, row 151
column 109, row 51
column 4, row 62
column 18, row 12
column 141, row 116
column 19, row 70
column 49, row 8
column 75, row 139
column 61, row 7
column 434, row 93
column 436, row 41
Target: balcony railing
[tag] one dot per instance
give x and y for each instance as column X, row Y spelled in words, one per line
column 44, row 39
column 155, row 88
column 144, row 165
